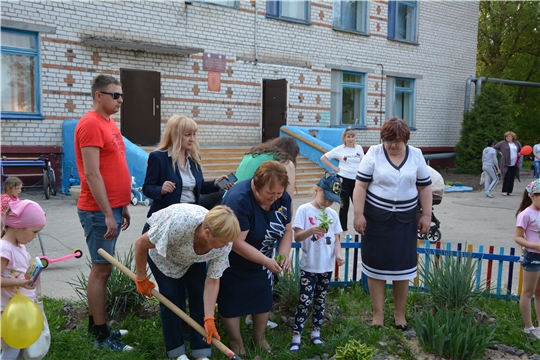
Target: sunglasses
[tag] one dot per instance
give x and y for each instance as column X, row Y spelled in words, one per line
column 115, row 95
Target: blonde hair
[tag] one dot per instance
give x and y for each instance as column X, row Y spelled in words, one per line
column 511, row 133
column 347, row 131
column 172, row 138
column 11, row 183
column 222, row 222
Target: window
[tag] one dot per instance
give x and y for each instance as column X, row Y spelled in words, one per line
column 403, row 20
column 350, row 15
column 348, row 98
column 404, row 100
column 20, row 75
column 288, row 10
column 227, row 3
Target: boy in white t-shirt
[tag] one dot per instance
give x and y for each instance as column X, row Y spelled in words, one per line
column 317, row 226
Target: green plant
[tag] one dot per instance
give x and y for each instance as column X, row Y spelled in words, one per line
column 279, row 258
column 450, row 280
column 354, row 350
column 287, row 290
column 122, row 294
column 324, row 219
column 453, row 334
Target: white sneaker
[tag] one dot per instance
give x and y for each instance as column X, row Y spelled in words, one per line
column 269, row 324
column 534, row 334
column 182, row 357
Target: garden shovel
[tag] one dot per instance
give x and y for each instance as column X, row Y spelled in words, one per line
column 224, row 349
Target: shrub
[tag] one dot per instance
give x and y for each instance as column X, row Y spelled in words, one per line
column 450, row 280
column 490, row 117
column 122, row 295
column 451, row 334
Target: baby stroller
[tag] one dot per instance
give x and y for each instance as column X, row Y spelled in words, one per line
column 437, row 189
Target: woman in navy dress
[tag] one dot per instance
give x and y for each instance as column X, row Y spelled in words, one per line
column 392, row 178
column 263, row 209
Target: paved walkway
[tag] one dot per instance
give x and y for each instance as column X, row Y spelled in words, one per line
column 465, row 217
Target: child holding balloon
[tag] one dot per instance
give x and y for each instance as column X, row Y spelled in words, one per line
column 23, row 220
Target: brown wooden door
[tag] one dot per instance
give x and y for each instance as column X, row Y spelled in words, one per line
column 140, row 119
column 274, row 107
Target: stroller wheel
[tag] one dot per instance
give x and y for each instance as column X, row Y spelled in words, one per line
column 434, row 236
column 421, row 236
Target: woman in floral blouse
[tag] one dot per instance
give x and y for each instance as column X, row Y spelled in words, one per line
column 181, row 239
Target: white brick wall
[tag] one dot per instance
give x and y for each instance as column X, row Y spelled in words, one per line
column 445, row 57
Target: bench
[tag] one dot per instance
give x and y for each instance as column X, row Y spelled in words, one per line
column 22, row 167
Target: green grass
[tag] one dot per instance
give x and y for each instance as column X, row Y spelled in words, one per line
column 350, row 310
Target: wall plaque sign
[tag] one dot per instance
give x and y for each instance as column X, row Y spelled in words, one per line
column 214, row 62
column 214, row 81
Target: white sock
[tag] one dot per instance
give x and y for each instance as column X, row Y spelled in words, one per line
column 296, row 339
column 316, row 334
column 528, row 330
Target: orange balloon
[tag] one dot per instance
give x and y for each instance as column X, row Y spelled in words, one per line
column 22, row 322
column 526, row 150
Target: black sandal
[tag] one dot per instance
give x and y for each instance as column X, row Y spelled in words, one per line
column 317, row 338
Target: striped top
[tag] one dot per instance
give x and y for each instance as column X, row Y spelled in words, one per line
column 393, row 188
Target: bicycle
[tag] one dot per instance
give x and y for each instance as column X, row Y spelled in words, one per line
column 49, row 179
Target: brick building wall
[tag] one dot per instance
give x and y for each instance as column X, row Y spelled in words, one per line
column 302, row 54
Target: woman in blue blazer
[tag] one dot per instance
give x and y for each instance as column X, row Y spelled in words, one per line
column 174, row 173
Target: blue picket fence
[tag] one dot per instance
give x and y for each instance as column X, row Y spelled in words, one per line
column 497, row 273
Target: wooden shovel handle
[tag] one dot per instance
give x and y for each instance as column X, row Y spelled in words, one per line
column 224, row 349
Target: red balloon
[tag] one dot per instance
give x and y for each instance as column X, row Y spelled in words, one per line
column 526, row 150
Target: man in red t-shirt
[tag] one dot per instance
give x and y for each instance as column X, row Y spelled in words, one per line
column 105, row 193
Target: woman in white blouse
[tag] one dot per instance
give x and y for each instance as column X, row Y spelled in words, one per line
column 181, row 239
column 509, row 149
column 392, row 178
column 348, row 155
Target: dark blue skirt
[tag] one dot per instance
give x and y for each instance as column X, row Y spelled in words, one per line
column 245, row 291
column 389, row 244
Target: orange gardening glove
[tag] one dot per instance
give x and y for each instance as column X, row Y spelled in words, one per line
column 145, row 286
column 211, row 330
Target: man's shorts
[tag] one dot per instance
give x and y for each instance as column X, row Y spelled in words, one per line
column 93, row 223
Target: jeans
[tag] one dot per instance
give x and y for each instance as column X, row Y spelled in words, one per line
column 536, row 165
column 95, row 228
column 171, row 324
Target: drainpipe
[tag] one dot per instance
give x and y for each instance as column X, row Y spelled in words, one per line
column 468, row 92
column 479, row 85
column 380, row 108
column 255, row 40
column 478, row 82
